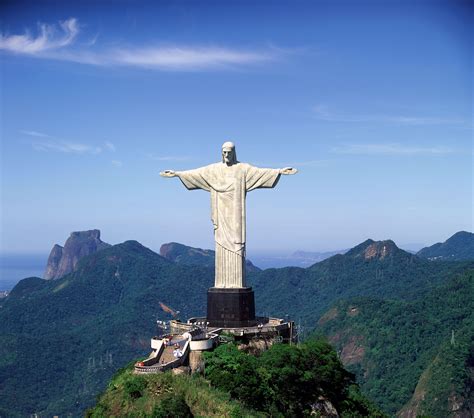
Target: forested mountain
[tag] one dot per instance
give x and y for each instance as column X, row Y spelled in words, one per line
column 69, row 335
column 378, row 269
column 458, row 247
column 395, row 346
column 286, row 380
column 191, row 256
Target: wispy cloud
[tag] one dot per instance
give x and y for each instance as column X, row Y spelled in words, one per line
column 46, row 40
column 184, row 57
column 117, row 163
column 110, row 146
column 322, row 112
column 35, row 133
column 390, row 149
column 65, row 147
column 50, row 143
column 53, row 42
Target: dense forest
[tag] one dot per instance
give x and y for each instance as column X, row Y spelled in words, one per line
column 285, row 381
column 458, row 247
column 70, row 335
column 394, row 345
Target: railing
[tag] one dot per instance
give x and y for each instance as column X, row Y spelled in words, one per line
column 155, row 366
column 205, row 339
column 153, row 359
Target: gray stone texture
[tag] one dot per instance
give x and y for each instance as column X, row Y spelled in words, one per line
column 63, row 260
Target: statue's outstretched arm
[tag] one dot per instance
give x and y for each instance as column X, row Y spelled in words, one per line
column 288, row 170
column 192, row 179
column 169, row 173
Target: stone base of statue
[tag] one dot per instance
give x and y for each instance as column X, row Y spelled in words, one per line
column 231, row 307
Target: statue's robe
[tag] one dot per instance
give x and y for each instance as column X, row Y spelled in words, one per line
column 228, row 186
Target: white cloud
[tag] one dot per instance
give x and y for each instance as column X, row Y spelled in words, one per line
column 65, row 147
column 390, row 149
column 35, row 133
column 184, row 57
column 322, row 112
column 48, row 44
column 110, row 146
column 49, row 143
column 117, row 163
column 46, row 40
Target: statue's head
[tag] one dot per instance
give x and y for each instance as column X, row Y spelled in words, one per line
column 229, row 155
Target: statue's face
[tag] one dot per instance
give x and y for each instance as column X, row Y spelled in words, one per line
column 228, row 156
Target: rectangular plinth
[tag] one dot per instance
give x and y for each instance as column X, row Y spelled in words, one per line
column 231, row 308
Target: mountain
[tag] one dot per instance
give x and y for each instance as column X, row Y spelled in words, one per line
column 163, row 395
column 283, row 381
column 190, row 256
column 458, row 247
column 63, row 260
column 372, row 268
column 412, row 357
column 445, row 388
column 71, row 334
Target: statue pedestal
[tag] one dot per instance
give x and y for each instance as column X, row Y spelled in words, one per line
column 231, row 307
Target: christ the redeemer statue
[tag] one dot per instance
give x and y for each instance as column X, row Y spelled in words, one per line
column 228, row 182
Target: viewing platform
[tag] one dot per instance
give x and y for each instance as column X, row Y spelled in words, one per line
column 187, row 341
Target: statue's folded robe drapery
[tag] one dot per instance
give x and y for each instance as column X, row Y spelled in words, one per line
column 228, row 186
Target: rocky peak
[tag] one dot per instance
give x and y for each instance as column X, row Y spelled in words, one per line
column 92, row 234
column 63, row 260
column 373, row 250
column 380, row 249
column 53, row 262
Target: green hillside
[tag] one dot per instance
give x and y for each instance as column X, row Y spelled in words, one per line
column 70, row 335
column 284, row 381
column 164, row 395
column 391, row 344
column 446, row 388
column 458, row 247
column 378, row 269
column 183, row 254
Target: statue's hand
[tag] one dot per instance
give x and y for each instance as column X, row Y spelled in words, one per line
column 288, row 170
column 168, row 173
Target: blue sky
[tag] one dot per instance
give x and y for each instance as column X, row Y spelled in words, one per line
column 371, row 101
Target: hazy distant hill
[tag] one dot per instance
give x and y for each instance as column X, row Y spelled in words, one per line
column 297, row 259
column 458, row 247
column 191, row 256
column 397, row 346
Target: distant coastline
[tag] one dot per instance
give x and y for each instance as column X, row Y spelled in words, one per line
column 15, row 267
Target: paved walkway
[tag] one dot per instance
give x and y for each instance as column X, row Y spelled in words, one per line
column 167, row 355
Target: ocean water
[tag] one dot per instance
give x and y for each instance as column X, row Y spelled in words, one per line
column 14, row 267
